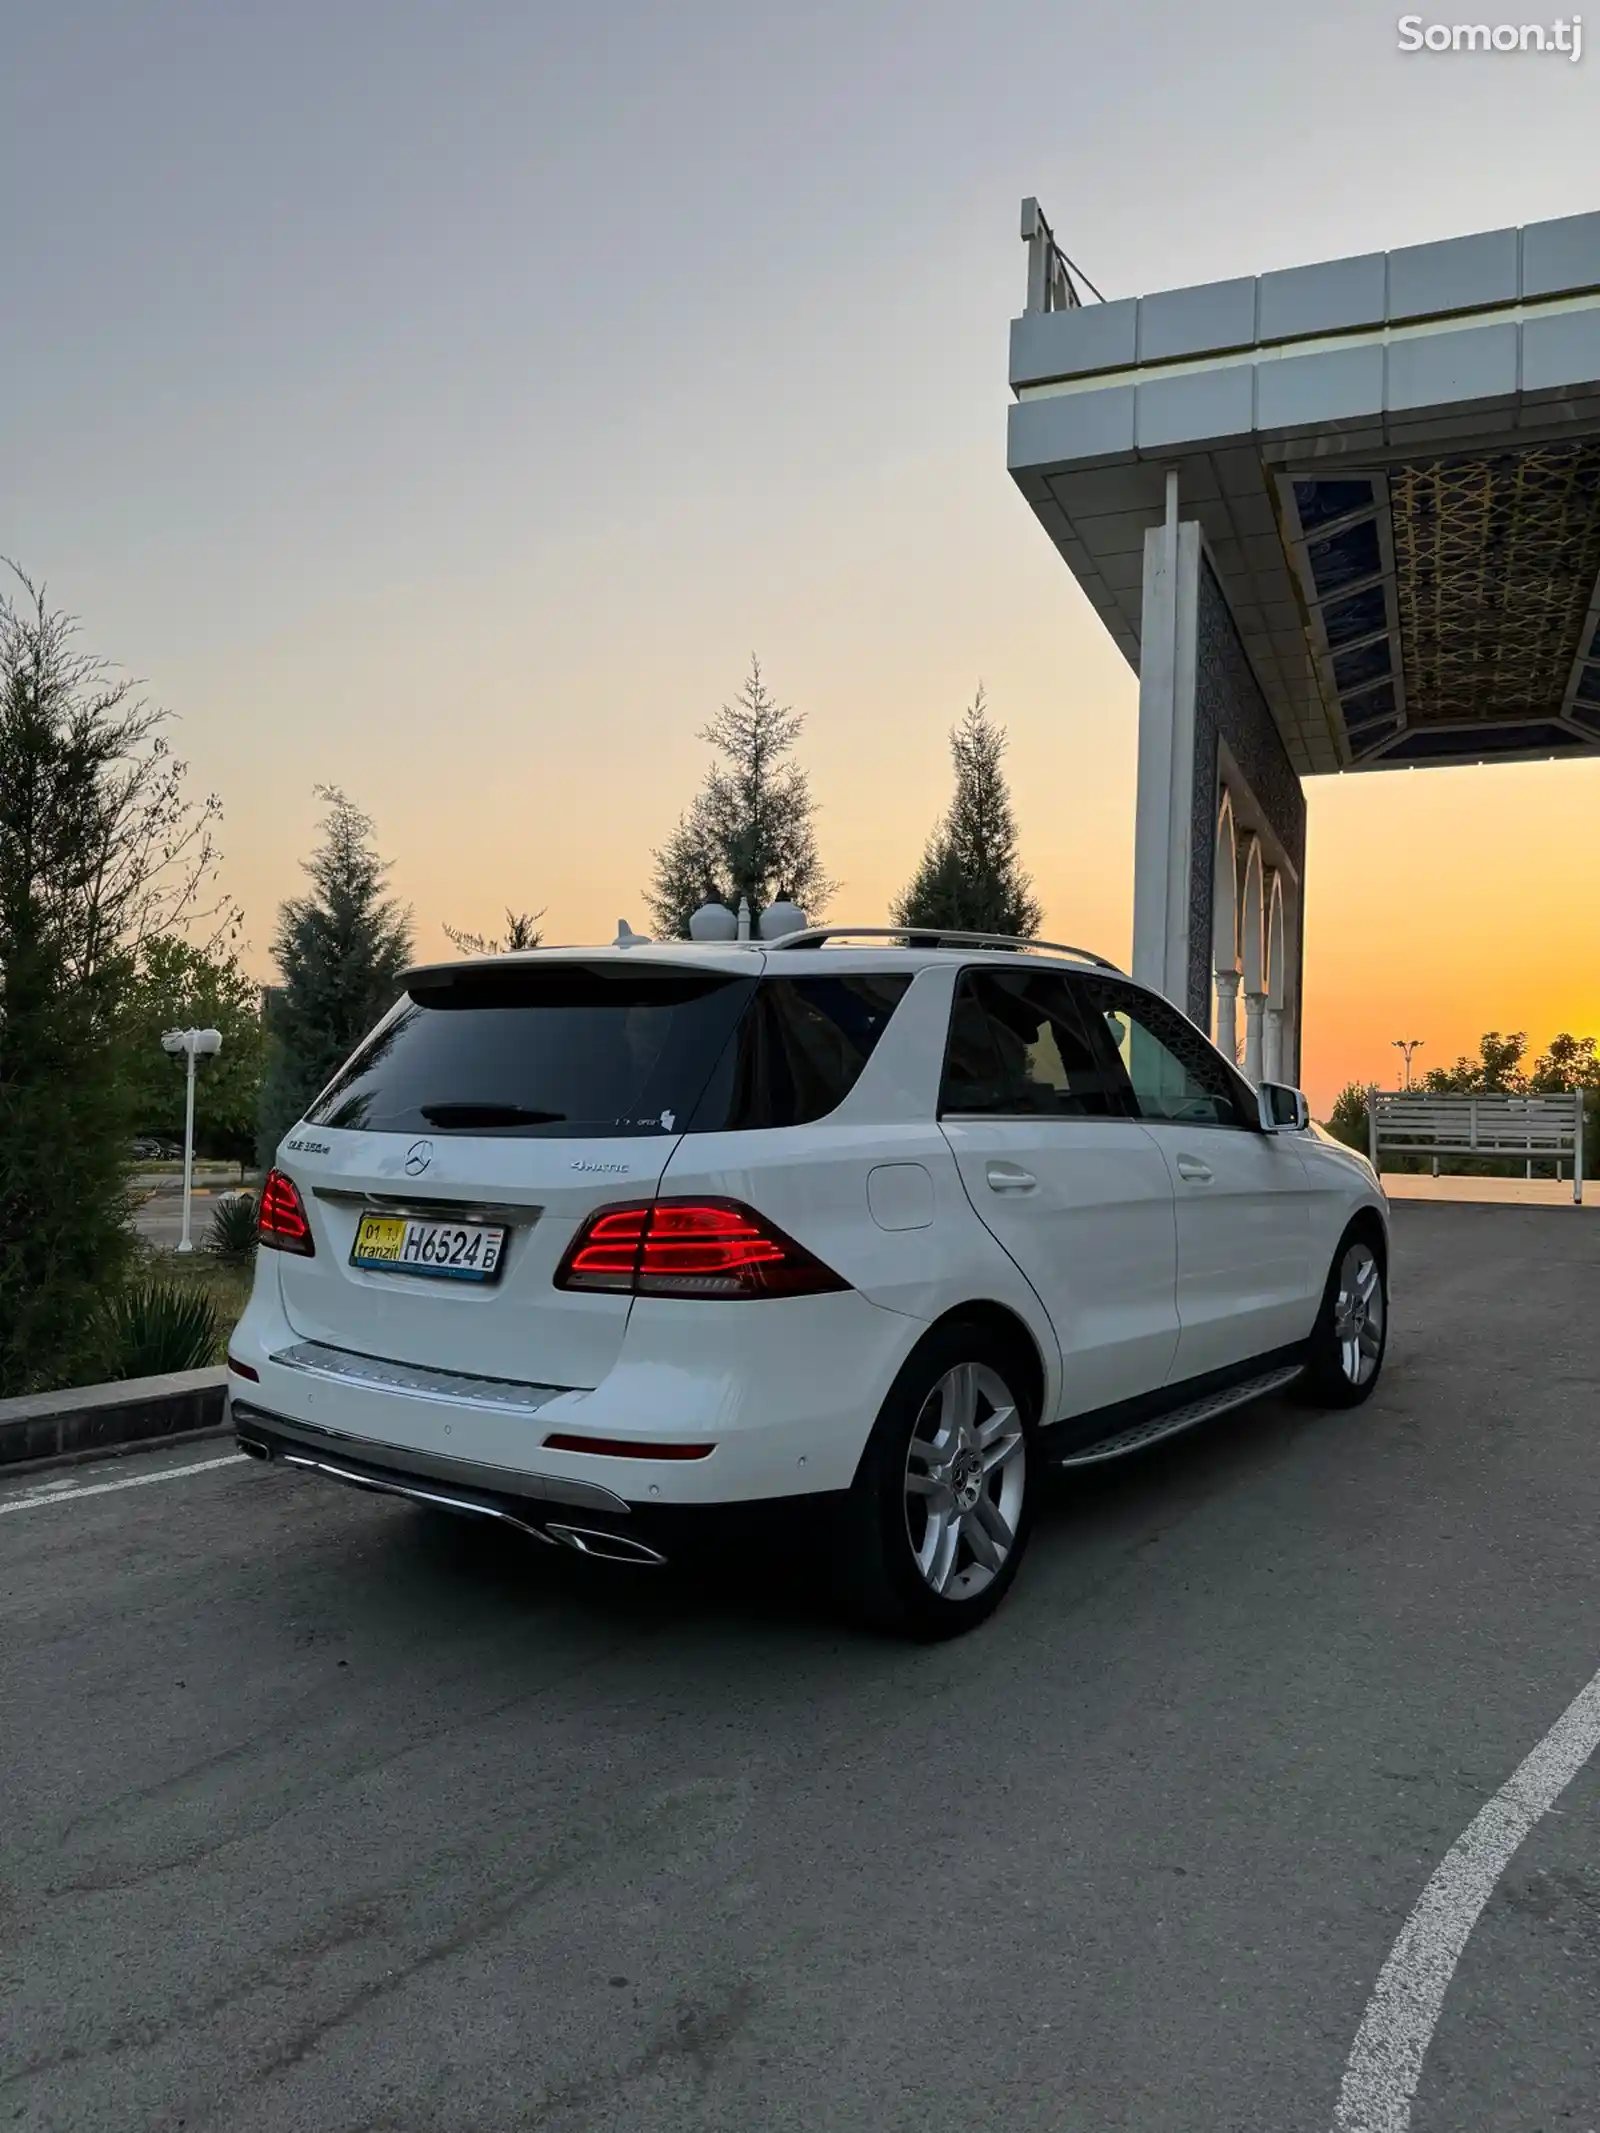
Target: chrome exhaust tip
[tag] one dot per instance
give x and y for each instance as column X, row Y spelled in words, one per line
column 607, row 1547
column 253, row 1448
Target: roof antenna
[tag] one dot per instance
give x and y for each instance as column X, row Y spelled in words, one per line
column 627, row 938
column 744, row 918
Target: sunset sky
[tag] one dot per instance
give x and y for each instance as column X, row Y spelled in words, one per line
column 443, row 402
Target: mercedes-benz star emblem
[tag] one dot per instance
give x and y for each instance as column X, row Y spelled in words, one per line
column 418, row 1156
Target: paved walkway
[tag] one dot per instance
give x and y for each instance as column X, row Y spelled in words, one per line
column 1491, row 1192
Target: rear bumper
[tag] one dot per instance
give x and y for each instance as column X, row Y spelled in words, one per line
column 786, row 1393
column 588, row 1520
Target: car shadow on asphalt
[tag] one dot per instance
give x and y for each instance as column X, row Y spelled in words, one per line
column 1119, row 1505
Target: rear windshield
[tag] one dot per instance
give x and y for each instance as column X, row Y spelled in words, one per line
column 577, row 1050
column 563, row 1051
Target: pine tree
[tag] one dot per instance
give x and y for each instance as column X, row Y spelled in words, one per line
column 100, row 848
column 341, row 952
column 748, row 832
column 970, row 879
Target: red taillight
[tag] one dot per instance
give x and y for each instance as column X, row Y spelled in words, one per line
column 281, row 1223
column 690, row 1248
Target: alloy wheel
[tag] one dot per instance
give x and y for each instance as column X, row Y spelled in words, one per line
column 1358, row 1313
column 966, row 1473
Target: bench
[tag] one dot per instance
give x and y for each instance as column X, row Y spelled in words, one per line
column 1407, row 1122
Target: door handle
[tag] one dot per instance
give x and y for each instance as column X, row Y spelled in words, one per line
column 1006, row 1177
column 1193, row 1171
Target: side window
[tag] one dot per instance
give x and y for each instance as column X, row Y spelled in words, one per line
column 799, row 1050
column 1174, row 1074
column 1019, row 1047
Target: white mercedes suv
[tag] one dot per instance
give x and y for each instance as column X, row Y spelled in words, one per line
column 845, row 1227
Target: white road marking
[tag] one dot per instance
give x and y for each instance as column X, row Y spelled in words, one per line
column 1385, row 2064
column 57, row 1493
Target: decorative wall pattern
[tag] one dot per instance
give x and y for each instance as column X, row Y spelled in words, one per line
column 1229, row 707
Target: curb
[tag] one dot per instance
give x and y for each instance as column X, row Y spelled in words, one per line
column 91, row 1421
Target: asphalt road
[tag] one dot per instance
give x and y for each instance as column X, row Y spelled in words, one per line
column 158, row 1207
column 318, row 1813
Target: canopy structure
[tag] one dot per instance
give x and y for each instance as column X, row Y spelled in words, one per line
column 1339, row 517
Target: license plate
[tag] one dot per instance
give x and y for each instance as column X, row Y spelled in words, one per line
column 447, row 1251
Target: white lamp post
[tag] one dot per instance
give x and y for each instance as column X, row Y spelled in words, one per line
column 1408, row 1045
column 193, row 1044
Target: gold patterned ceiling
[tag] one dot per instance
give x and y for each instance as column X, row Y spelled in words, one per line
column 1453, row 603
column 1495, row 565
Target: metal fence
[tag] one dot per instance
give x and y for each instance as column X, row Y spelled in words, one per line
column 1534, row 1128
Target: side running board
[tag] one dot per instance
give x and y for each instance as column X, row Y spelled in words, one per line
column 1156, row 1428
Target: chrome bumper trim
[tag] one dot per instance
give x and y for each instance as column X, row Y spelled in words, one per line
column 413, row 1491
column 399, row 1463
column 416, row 1381
column 515, row 1214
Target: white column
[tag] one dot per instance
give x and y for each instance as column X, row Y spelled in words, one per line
column 1254, row 1002
column 1272, row 1044
column 1164, row 822
column 184, row 1242
column 1228, row 1014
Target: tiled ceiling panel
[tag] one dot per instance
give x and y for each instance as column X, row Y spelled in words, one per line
column 1495, row 564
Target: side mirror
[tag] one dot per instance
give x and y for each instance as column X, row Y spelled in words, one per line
column 1283, row 1110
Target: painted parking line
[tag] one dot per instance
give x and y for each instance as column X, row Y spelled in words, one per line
column 51, row 1493
column 1385, row 2064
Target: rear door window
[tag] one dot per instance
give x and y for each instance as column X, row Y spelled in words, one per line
column 1019, row 1048
column 799, row 1050
column 559, row 1050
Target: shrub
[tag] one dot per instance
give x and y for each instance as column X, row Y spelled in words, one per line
column 151, row 1328
column 1347, row 1121
column 232, row 1230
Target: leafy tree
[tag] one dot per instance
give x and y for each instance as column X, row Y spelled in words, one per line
column 1573, row 1063
column 1570, row 1063
column 1347, row 1121
column 522, row 932
column 748, row 832
column 99, row 848
column 1497, row 1070
column 176, row 985
column 341, row 952
column 971, row 879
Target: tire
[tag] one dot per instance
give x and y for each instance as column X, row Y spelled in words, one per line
column 950, row 1470
column 1351, row 1335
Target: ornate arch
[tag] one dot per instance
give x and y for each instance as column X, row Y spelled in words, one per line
column 1225, row 891
column 1277, row 973
column 1252, row 913
column 1225, row 929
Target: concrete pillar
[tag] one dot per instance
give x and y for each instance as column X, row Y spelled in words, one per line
column 1228, row 1013
column 1254, row 1003
column 1164, row 826
column 1272, row 1044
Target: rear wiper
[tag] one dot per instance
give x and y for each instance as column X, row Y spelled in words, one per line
column 446, row 1115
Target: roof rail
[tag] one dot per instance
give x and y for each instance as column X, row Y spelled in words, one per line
column 938, row 937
